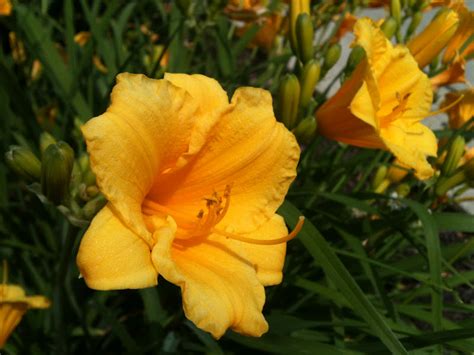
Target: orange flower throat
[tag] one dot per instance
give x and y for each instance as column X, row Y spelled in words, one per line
column 205, row 222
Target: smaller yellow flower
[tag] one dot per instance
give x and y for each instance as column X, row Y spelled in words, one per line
column 431, row 41
column 13, row 305
column 81, row 38
column 5, row 7
column 464, row 31
column 382, row 103
column 461, row 112
column 455, row 73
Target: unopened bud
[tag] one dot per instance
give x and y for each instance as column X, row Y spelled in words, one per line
column 389, row 27
column 355, row 57
column 415, row 22
column 58, row 161
column 93, row 206
column 396, row 11
column 306, row 130
column 379, row 176
column 45, row 141
column 297, row 7
column 397, row 173
column 403, row 190
column 332, row 56
column 308, row 80
column 23, row 162
column 455, row 152
column 304, row 36
column 288, row 98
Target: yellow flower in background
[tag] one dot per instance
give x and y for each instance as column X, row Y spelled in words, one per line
column 464, row 31
column 382, row 103
column 462, row 111
column 193, row 184
column 5, row 7
column 13, row 305
column 433, row 39
column 455, row 73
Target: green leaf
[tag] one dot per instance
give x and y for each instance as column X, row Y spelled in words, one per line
column 335, row 270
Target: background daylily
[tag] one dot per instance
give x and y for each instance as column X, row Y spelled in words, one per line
column 13, row 305
column 204, row 173
column 381, row 104
column 463, row 109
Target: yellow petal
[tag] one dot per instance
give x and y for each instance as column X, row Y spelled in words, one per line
column 248, row 150
column 111, row 256
column 268, row 260
column 212, row 100
column 38, row 302
column 411, row 144
column 144, row 131
column 220, row 289
column 10, row 317
column 464, row 31
column 431, row 41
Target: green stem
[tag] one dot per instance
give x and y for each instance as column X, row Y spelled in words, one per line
column 445, row 184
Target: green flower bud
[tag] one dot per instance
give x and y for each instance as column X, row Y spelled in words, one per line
column 91, row 208
column 455, row 152
column 306, row 130
column 396, row 12
column 389, row 27
column 379, row 176
column 58, row 161
column 332, row 56
column 23, row 162
column 45, row 141
column 355, row 57
column 288, row 98
column 415, row 22
column 304, row 36
column 403, row 190
column 308, row 80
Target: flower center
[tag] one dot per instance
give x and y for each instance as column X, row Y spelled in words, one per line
column 205, row 222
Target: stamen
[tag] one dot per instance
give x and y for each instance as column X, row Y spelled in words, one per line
column 281, row 240
column 441, row 110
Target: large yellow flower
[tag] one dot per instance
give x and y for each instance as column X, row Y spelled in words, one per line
column 382, row 103
column 13, row 305
column 193, row 184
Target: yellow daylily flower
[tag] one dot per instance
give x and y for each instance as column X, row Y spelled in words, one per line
column 463, row 110
column 193, row 183
column 13, row 305
column 5, row 7
column 464, row 31
column 382, row 103
column 434, row 38
column 455, row 73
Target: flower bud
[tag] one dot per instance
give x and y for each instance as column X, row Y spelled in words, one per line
column 455, row 152
column 304, row 36
column 397, row 172
column 288, row 98
column 403, row 190
column 308, row 80
column 389, row 27
column 58, row 161
column 415, row 22
column 296, row 7
column 396, row 12
column 45, row 141
column 355, row 57
column 23, row 162
column 332, row 56
column 306, row 130
column 93, row 206
column 379, row 176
